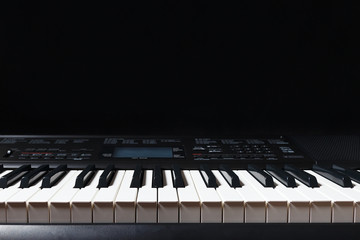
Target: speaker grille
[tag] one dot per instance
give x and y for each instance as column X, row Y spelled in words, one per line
column 330, row 148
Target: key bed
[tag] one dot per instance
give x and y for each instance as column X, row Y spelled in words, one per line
column 196, row 202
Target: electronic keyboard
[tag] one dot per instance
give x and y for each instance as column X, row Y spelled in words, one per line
column 172, row 187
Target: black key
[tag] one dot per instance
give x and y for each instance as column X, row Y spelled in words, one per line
column 284, row 177
column 334, row 176
column 1, row 168
column 354, row 175
column 177, row 177
column 106, row 177
column 137, row 179
column 54, row 176
column 157, row 178
column 262, row 177
column 85, row 176
column 232, row 179
column 14, row 176
column 304, row 177
column 33, row 176
column 208, row 176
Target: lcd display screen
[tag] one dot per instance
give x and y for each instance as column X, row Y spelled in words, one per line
column 143, row 152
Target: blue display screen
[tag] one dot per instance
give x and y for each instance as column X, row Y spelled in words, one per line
column 143, row 152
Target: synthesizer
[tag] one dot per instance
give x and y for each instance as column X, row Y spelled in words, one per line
column 131, row 184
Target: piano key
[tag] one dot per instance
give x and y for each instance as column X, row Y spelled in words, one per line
column 106, row 177
column 232, row 201
column 125, row 202
column 189, row 202
column 208, row 176
column 33, row 176
column 356, row 187
column 81, row 203
column 276, row 204
column 354, row 175
column 59, row 204
column 85, row 176
column 211, row 205
column 137, row 178
column 262, row 177
column 38, row 209
column 177, row 177
column 302, row 176
column 320, row 204
column 352, row 193
column 146, row 203
column 157, row 179
column 333, row 175
column 282, row 176
column 168, row 209
column 298, row 204
column 254, row 203
column 231, row 178
column 6, row 193
column 103, row 202
column 52, row 177
column 342, row 206
column 14, row 176
column 16, row 211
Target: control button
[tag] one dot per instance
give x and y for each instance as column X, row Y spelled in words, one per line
column 8, row 153
column 198, row 148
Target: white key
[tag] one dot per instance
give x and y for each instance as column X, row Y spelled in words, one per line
column 255, row 205
column 211, row 205
column 125, row 202
column 357, row 211
column 168, row 202
column 146, row 203
column 298, row 204
column 59, row 204
column 38, row 208
column 81, row 204
column 342, row 205
column 17, row 204
column 189, row 208
column 103, row 202
column 276, row 204
column 320, row 204
column 232, row 201
column 5, row 193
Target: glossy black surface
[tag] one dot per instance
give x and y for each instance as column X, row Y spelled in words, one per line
column 14, row 176
column 178, row 180
column 231, row 178
column 208, row 176
column 262, row 177
column 337, row 177
column 85, row 176
column 54, row 176
column 33, row 176
column 137, row 178
column 284, row 177
column 306, row 178
column 353, row 174
column 157, row 178
column 106, row 177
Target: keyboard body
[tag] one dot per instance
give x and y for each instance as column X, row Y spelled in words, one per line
column 186, row 152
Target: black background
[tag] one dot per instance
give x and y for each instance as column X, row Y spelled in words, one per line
column 177, row 67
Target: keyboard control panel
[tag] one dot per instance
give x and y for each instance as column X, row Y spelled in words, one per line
column 149, row 151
